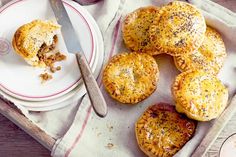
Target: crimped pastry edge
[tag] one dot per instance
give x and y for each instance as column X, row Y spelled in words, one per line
column 30, row 58
column 182, row 65
column 128, row 39
column 181, row 102
column 160, row 106
column 106, row 82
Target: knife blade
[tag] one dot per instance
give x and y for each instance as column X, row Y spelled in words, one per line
column 68, row 32
column 73, row 46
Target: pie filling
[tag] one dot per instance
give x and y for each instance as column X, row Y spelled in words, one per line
column 49, row 57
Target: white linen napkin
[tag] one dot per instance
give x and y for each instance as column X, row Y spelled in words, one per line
column 114, row 135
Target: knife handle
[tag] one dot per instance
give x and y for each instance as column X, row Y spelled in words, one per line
column 97, row 100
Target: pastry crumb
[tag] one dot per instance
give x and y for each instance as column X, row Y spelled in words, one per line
column 58, row 68
column 52, row 69
column 50, row 60
column 110, row 128
column 110, row 145
column 45, row 77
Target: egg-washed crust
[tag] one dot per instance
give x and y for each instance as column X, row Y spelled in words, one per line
column 131, row 77
column 161, row 131
column 178, row 29
column 209, row 57
column 135, row 30
column 29, row 38
column 200, row 95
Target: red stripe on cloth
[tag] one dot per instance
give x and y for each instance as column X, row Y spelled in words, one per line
column 116, row 31
column 80, row 133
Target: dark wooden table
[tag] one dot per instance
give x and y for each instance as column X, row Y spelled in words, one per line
column 16, row 143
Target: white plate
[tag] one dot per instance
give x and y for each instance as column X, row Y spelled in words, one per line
column 76, row 93
column 228, row 148
column 21, row 80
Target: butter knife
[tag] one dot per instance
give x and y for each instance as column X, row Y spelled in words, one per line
column 73, row 46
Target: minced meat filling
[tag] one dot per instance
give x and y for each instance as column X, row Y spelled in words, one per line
column 50, row 58
column 45, row 77
column 44, row 48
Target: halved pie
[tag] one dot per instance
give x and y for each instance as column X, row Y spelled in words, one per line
column 33, row 40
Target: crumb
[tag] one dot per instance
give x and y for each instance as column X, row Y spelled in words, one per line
column 45, row 77
column 50, row 60
column 58, row 68
column 110, row 145
column 53, row 58
column 98, row 134
column 110, row 128
column 52, row 69
column 59, row 56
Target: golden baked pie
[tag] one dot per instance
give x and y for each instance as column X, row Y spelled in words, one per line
column 135, row 30
column 209, row 57
column 178, row 29
column 200, row 95
column 131, row 77
column 162, row 132
column 32, row 40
